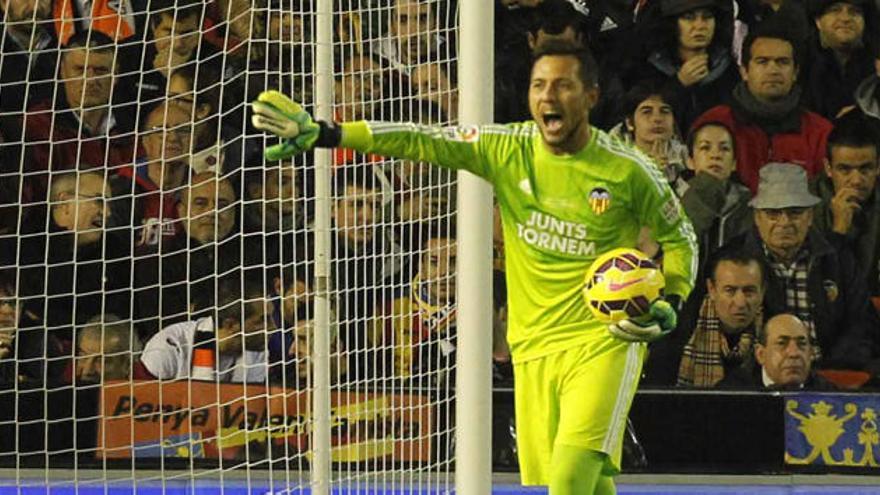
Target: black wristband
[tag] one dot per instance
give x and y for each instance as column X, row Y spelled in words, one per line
column 675, row 301
column 329, row 136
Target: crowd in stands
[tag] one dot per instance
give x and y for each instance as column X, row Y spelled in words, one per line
column 140, row 223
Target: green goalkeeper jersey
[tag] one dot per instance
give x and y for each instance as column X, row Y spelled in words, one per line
column 559, row 212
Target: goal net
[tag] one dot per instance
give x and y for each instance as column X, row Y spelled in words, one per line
column 157, row 278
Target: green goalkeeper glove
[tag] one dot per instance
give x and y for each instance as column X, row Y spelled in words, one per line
column 660, row 320
column 278, row 114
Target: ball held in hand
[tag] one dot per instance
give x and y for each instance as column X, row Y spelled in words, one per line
column 622, row 284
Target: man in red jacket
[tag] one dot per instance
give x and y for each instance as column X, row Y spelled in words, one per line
column 79, row 128
column 764, row 112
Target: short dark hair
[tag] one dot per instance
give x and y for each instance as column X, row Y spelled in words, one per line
column 589, row 69
column 554, row 16
column 179, row 9
column 94, row 41
column 692, row 135
column 737, row 257
column 855, row 130
column 445, row 228
column 643, row 90
column 773, row 29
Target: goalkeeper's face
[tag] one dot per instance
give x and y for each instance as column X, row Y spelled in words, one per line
column 560, row 102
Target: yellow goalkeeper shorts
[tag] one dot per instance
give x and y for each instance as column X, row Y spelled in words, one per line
column 579, row 397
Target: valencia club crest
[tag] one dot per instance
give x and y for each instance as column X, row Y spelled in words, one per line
column 600, row 200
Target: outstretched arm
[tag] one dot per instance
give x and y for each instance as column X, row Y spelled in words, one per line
column 451, row 147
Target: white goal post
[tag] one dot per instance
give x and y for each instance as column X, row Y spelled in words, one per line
column 203, row 315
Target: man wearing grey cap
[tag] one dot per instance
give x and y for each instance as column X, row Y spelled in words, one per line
column 807, row 276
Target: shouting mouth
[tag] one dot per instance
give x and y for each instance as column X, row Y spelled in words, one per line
column 552, row 121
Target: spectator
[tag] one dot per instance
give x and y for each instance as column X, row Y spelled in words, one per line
column 809, row 278
column 784, row 359
column 418, row 327
column 715, row 201
column 557, row 20
column 366, row 260
column 426, row 194
column 80, row 128
column 179, row 271
column 598, row 24
column 173, row 40
column 511, row 55
column 842, row 54
column 235, row 336
column 752, row 14
column 722, row 336
column 609, row 28
column 105, row 347
column 155, row 180
column 274, row 198
column 237, row 30
column 429, row 194
column 21, row 348
column 292, row 348
column 689, row 51
column 293, row 291
column 28, row 48
column 288, row 25
column 436, row 82
column 287, row 31
column 196, row 90
column 767, row 122
column 849, row 214
column 361, row 87
column 274, row 210
column 649, row 124
column 413, row 35
column 299, row 360
column 71, row 272
column 207, row 209
column 175, row 26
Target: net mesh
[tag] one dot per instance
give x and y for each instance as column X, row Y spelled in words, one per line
column 156, row 288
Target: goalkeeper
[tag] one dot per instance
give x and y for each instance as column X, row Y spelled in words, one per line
column 568, row 192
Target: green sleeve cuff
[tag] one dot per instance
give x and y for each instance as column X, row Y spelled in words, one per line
column 677, row 288
column 356, row 136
